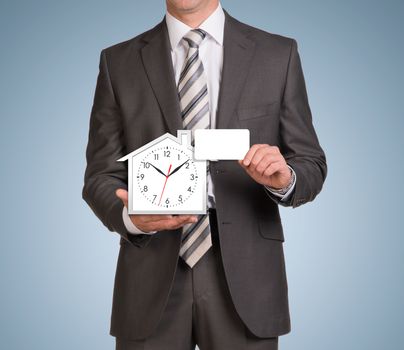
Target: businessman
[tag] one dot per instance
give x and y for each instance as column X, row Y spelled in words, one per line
column 216, row 280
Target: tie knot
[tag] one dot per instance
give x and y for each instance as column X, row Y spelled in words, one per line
column 194, row 37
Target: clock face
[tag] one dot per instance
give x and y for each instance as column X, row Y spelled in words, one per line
column 167, row 176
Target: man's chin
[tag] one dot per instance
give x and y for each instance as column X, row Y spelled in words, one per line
column 186, row 6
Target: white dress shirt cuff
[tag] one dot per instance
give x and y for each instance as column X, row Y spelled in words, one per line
column 284, row 195
column 130, row 226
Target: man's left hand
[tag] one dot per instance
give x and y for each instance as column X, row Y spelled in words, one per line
column 266, row 165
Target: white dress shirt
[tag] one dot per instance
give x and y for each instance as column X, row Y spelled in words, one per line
column 211, row 55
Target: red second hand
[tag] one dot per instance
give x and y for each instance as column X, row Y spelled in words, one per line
column 168, row 173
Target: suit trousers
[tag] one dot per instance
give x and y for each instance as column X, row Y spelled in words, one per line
column 200, row 311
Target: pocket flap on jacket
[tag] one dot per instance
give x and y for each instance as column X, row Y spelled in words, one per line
column 258, row 111
column 271, row 229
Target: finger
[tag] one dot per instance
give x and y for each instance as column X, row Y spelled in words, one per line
column 186, row 219
column 171, row 224
column 275, row 149
column 258, row 156
column 151, row 218
column 122, row 195
column 265, row 161
column 249, row 155
column 263, row 151
column 272, row 169
column 183, row 223
column 269, row 149
column 157, row 218
column 181, row 220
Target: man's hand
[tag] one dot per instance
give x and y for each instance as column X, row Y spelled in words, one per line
column 148, row 223
column 266, row 165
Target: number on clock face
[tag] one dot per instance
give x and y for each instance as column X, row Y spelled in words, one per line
column 167, row 176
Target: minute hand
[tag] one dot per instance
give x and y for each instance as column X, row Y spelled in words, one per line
column 178, row 167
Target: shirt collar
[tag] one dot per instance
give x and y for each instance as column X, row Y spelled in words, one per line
column 213, row 25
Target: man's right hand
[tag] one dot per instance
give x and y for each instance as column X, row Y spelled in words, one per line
column 155, row 222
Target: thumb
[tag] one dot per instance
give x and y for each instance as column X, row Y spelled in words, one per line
column 122, row 195
column 240, row 161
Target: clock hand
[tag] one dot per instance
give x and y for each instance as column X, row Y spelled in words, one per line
column 168, row 174
column 178, row 167
column 157, row 169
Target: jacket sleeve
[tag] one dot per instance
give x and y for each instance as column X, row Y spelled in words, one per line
column 298, row 140
column 103, row 174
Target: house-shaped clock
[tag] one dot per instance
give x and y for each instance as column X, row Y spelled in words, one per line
column 164, row 177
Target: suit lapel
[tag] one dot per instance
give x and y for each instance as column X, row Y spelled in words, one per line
column 237, row 57
column 156, row 56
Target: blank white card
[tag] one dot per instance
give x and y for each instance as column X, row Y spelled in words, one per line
column 221, row 144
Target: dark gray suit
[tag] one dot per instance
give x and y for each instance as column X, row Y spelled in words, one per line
column 262, row 89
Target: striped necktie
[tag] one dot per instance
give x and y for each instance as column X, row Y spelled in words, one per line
column 194, row 102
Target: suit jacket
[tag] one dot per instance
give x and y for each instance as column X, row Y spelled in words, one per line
column 262, row 89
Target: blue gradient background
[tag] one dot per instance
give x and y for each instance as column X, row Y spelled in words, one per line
column 344, row 251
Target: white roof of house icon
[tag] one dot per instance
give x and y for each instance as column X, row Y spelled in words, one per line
column 183, row 138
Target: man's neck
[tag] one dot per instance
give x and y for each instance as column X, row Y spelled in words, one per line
column 193, row 18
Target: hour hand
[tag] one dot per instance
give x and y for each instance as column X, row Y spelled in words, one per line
column 158, row 169
column 178, row 167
